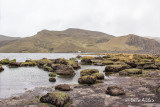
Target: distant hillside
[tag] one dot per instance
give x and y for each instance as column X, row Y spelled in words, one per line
column 2, row 38
column 75, row 40
column 157, row 39
column 70, row 40
column 130, row 43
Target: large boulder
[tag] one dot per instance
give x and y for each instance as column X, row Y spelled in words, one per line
column 87, row 80
column 88, row 72
column 63, row 87
column 58, row 99
column 1, row 68
column 114, row 91
column 99, row 76
column 128, row 72
column 115, row 68
column 64, row 70
column 14, row 64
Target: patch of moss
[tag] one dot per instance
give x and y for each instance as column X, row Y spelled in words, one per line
column 28, row 64
column 88, row 72
column 52, row 74
column 98, row 75
column 6, row 61
column 47, row 68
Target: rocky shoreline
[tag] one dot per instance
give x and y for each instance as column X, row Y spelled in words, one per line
column 133, row 80
column 141, row 92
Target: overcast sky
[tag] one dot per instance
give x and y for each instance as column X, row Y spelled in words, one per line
column 117, row 17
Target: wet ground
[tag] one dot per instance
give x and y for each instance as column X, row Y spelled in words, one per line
column 140, row 92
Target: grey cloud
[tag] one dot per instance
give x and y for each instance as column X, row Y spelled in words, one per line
column 118, row 17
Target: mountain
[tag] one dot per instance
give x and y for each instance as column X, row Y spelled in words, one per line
column 130, row 42
column 3, row 38
column 70, row 40
column 157, row 39
column 75, row 40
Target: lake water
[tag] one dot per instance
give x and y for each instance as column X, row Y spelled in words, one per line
column 19, row 80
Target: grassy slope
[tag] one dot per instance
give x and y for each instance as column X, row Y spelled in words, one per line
column 74, row 40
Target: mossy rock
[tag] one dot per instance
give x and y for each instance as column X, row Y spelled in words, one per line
column 47, row 68
column 114, row 91
column 113, row 59
column 1, row 68
column 43, row 62
column 6, row 61
column 59, row 99
column 52, row 74
column 52, row 79
column 128, row 72
column 87, row 80
column 28, row 64
column 107, row 62
column 76, row 65
column 99, row 76
column 115, row 68
column 88, row 72
column 14, row 64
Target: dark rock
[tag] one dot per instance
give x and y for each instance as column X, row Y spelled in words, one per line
column 87, row 80
column 115, row 68
column 61, row 61
column 1, row 68
column 114, row 91
column 88, row 72
column 128, row 72
column 99, row 76
column 14, row 64
column 59, row 99
column 64, row 70
column 52, row 79
column 76, row 66
column 86, row 61
column 63, row 87
column 79, row 56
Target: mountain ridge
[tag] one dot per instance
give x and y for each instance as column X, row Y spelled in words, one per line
column 78, row 40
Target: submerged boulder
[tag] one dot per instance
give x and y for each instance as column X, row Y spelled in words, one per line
column 128, row 72
column 63, row 87
column 87, row 80
column 114, row 91
column 58, row 99
column 88, row 72
column 1, row 68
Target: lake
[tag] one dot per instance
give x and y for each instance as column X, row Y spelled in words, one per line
column 19, row 80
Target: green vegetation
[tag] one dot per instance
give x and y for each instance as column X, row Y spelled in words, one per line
column 88, row 72
column 6, row 61
column 28, row 64
column 52, row 74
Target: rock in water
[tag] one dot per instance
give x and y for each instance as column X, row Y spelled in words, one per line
column 63, row 87
column 59, row 99
column 52, row 79
column 1, row 68
column 114, row 91
column 88, row 72
column 87, row 80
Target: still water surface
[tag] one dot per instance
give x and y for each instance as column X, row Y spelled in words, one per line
column 19, row 80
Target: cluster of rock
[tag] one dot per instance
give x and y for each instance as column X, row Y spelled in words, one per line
column 124, row 64
column 90, row 76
